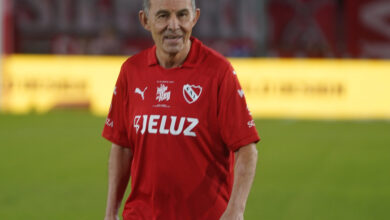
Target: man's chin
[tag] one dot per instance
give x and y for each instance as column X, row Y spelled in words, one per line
column 173, row 49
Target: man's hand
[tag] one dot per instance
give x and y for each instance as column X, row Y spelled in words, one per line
column 229, row 215
column 244, row 172
column 115, row 217
column 118, row 177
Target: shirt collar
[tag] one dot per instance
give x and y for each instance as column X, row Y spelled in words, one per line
column 190, row 61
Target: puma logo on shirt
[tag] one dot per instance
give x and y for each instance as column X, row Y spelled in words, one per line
column 141, row 93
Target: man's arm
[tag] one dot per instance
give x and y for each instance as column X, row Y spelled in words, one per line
column 118, row 177
column 244, row 173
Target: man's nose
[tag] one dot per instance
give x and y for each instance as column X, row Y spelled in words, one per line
column 173, row 23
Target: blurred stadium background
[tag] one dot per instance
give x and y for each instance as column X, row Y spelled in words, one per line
column 316, row 74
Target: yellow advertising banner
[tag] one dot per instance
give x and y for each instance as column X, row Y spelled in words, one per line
column 274, row 88
column 316, row 89
column 41, row 83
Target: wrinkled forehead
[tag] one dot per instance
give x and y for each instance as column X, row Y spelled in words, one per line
column 170, row 5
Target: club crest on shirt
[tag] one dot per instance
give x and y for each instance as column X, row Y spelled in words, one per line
column 191, row 93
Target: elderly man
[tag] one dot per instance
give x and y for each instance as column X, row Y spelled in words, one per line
column 179, row 126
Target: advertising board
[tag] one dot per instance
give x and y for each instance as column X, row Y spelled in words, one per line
column 274, row 88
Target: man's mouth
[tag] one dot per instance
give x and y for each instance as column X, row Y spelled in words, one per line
column 172, row 38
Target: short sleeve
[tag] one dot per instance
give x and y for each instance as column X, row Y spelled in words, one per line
column 236, row 124
column 115, row 129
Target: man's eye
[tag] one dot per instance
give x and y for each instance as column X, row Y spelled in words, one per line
column 162, row 16
column 182, row 14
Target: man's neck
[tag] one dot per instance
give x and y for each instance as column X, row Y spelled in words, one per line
column 167, row 60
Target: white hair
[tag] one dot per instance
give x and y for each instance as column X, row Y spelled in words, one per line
column 146, row 5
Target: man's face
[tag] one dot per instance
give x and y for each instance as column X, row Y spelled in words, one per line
column 171, row 23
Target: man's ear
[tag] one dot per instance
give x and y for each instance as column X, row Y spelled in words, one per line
column 196, row 17
column 143, row 18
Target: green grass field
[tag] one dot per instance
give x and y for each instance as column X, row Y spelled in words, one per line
column 54, row 166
